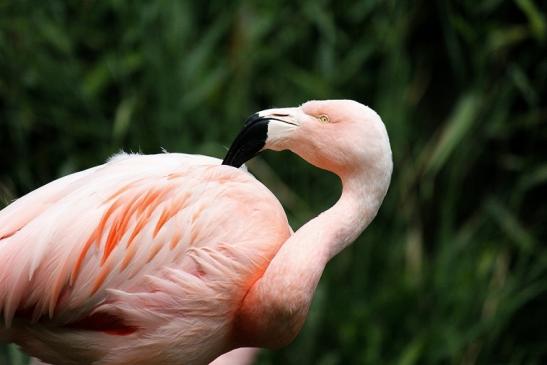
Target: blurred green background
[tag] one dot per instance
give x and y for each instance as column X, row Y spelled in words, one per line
column 454, row 268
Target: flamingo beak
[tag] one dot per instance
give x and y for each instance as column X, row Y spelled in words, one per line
column 260, row 131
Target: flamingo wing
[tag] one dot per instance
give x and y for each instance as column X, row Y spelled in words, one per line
column 144, row 238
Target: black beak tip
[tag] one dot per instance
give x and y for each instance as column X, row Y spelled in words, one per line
column 248, row 142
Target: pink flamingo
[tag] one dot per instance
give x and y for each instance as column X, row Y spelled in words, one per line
column 176, row 259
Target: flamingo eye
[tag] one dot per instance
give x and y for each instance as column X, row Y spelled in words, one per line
column 323, row 118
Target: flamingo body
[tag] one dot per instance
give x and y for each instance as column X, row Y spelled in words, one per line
column 174, row 259
column 112, row 261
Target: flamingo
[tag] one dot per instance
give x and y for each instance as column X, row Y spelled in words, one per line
column 176, row 258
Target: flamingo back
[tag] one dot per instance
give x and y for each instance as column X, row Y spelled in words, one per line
column 144, row 259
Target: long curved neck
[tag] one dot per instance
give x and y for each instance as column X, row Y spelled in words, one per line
column 274, row 309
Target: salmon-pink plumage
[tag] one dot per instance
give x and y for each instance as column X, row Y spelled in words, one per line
column 176, row 259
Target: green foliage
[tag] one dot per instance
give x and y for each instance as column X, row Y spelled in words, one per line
column 453, row 269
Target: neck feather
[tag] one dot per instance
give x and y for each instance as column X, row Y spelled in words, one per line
column 276, row 306
column 362, row 195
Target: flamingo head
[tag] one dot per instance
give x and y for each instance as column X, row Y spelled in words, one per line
column 342, row 136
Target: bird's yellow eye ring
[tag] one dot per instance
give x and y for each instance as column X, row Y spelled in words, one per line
column 323, row 118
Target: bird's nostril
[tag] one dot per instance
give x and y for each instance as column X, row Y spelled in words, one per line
column 280, row 115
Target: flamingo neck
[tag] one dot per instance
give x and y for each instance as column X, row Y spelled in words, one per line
column 362, row 195
column 275, row 308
